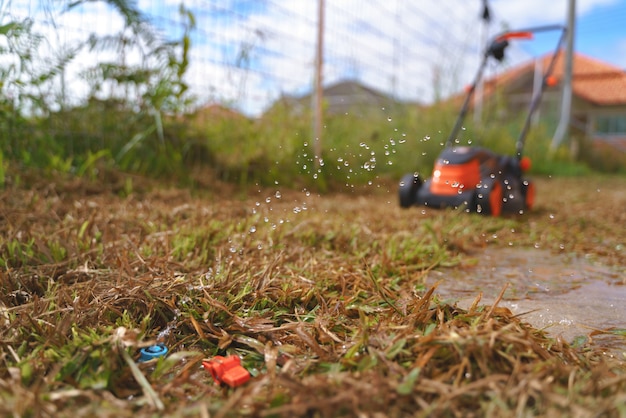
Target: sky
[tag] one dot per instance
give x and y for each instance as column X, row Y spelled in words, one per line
column 247, row 53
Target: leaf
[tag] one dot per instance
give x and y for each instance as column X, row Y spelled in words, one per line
column 430, row 328
column 148, row 391
column 396, row 349
column 408, row 383
column 5, row 29
column 579, row 341
column 166, row 364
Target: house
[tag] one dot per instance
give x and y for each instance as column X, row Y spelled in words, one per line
column 347, row 96
column 213, row 111
column 598, row 97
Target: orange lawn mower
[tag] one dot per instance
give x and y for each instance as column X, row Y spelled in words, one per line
column 477, row 178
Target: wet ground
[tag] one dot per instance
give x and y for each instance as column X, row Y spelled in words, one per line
column 566, row 296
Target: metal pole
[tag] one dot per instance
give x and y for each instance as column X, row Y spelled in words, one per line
column 566, row 104
column 478, row 97
column 318, row 93
column 534, row 104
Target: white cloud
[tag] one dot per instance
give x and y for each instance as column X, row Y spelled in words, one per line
column 534, row 12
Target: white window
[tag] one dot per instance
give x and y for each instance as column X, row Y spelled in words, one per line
column 611, row 125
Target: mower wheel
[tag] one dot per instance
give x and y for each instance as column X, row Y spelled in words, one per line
column 528, row 191
column 489, row 199
column 409, row 185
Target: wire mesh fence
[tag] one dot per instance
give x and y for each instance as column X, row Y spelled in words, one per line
column 247, row 54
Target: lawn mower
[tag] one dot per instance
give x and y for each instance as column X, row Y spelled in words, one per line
column 474, row 177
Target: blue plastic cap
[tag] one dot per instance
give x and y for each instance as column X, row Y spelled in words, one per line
column 154, row 351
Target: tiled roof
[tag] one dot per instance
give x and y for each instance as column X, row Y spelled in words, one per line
column 593, row 80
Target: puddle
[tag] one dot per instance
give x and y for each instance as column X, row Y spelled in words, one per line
column 565, row 296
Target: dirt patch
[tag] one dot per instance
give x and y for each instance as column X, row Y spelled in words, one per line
column 565, row 295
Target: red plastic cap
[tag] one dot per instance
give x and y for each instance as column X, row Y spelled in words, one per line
column 525, row 164
column 227, row 370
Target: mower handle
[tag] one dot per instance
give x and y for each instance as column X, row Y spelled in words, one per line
column 496, row 49
column 514, row 35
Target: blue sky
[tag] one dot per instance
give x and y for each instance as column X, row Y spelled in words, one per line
column 246, row 53
column 601, row 33
column 600, row 25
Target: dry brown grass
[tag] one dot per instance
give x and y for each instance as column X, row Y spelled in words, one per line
column 322, row 297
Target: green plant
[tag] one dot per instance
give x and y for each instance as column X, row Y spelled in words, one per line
column 2, row 170
column 15, row 252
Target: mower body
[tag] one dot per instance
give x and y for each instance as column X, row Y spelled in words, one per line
column 471, row 177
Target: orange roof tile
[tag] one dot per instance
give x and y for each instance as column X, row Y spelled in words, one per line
column 593, row 80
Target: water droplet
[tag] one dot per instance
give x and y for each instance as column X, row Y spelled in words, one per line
column 268, row 199
column 551, row 216
column 278, row 194
column 252, row 229
column 389, row 119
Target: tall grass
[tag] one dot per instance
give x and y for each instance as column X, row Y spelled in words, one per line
column 357, row 148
